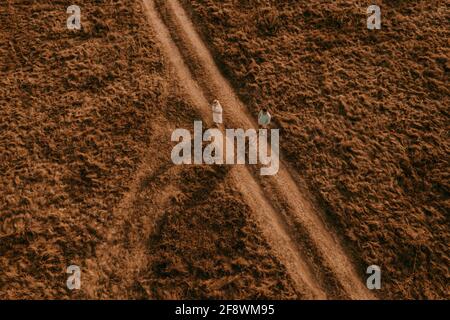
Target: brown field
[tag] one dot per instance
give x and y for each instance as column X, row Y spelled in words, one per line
column 80, row 114
column 364, row 116
column 86, row 176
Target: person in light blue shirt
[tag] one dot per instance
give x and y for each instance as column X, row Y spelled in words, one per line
column 264, row 118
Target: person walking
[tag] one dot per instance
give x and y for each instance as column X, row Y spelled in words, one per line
column 217, row 111
column 264, row 118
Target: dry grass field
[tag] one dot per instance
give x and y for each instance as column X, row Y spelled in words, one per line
column 364, row 117
column 86, row 178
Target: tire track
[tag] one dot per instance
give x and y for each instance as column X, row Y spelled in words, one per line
column 191, row 60
column 289, row 255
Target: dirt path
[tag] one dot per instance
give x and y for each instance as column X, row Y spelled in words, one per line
column 298, row 236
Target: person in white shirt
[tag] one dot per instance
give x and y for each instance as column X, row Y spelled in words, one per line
column 264, row 118
column 217, row 112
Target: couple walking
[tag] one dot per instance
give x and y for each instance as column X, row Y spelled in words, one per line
column 264, row 116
